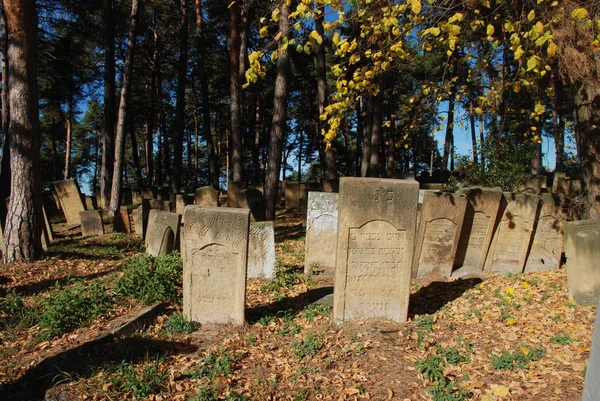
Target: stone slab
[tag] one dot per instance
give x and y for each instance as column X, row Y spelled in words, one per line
column 70, row 199
column 90, row 203
column 122, row 222
column 233, row 193
column 158, row 204
column 252, row 199
column 510, row 245
column 331, row 185
column 556, row 177
column 547, row 244
column 321, row 233
column 376, row 235
column 207, row 196
column 591, row 386
column 582, row 250
column 158, row 222
column 47, row 225
column 439, row 231
column 91, row 223
column 261, row 250
column 293, row 195
column 215, row 256
column 181, row 201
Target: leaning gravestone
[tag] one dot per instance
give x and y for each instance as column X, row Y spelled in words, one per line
column 261, row 250
column 439, row 230
column 321, row 232
column 122, row 224
column 376, row 235
column 47, row 225
column 207, row 196
column 582, row 250
column 91, row 223
column 158, row 222
column 508, row 252
column 547, row 244
column 591, row 387
column 477, row 230
column 215, row 256
column 70, row 199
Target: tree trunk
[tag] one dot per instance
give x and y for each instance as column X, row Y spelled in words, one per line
column 278, row 124
column 376, row 121
column 473, row 135
column 115, row 192
column 135, row 153
column 366, row 118
column 449, row 139
column 69, row 136
column 5, row 164
column 559, row 145
column 536, row 160
column 151, row 116
column 110, row 104
column 235, row 92
column 481, row 137
column 390, row 161
column 24, row 221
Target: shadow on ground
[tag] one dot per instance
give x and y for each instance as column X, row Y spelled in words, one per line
column 286, row 306
column 433, row 297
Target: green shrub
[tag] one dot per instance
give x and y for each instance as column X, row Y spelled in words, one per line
column 313, row 310
column 432, row 368
column 424, row 322
column 216, row 363
column 11, row 304
column 152, row 279
column 140, row 381
column 453, row 355
column 561, row 338
column 518, row 359
column 443, row 391
column 308, row 346
column 176, row 323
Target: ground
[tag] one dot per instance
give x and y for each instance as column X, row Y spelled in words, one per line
column 505, row 338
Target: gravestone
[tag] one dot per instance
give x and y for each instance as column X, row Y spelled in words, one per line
column 435, row 186
column 233, row 193
column 158, row 222
column 207, row 196
column 591, row 387
column 477, row 230
column 547, row 244
column 261, row 250
column 91, row 223
column 439, row 230
column 148, row 193
column 534, row 184
column 331, row 185
column 136, row 199
column 122, row 224
column 510, row 244
column 163, row 205
column 293, row 195
column 321, row 233
column 252, row 199
column 70, row 199
column 90, row 203
column 140, row 218
column 376, row 235
column 215, row 257
column 181, row 201
column 47, row 225
column 557, row 176
column 582, row 250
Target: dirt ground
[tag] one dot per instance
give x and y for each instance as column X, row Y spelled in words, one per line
column 505, row 338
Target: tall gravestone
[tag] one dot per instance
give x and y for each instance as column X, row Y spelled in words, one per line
column 215, row 256
column 158, row 223
column 181, row 201
column 122, row 223
column 252, row 199
column 477, row 230
column 439, row 230
column 547, row 244
column 591, row 387
column 233, row 193
column 261, row 250
column 207, row 196
column 376, row 235
column 321, row 232
column 510, row 244
column 70, row 199
column 91, row 223
column 582, row 250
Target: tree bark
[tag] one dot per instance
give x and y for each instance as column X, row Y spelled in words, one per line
column 24, row 221
column 449, row 139
column 235, row 92
column 5, row 164
column 366, row 117
column 115, row 192
column 110, row 104
column 69, row 136
column 135, row 153
column 390, row 161
column 473, row 135
column 278, row 124
column 376, row 121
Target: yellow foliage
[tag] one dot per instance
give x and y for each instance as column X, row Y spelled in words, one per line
column 415, row 6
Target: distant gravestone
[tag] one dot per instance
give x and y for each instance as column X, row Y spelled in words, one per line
column 582, row 250
column 547, row 244
column 555, row 180
column 181, row 201
column 439, row 229
column 510, row 244
column 158, row 222
column 136, row 199
column 535, row 184
column 91, row 223
column 252, row 199
column 261, row 250
column 331, row 185
column 321, row 233
column 140, row 218
column 90, row 203
column 122, row 224
column 70, row 199
column 215, row 256
column 293, row 195
column 163, row 205
column 376, row 235
column 477, row 230
column 233, row 193
column 591, row 387
column 207, row 196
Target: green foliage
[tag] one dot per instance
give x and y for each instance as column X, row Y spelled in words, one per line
column 150, row 280
column 67, row 308
column 306, row 347
column 452, row 355
column 289, row 328
column 11, row 304
column 424, row 323
column 561, row 338
column 518, row 359
column 285, row 277
column 215, row 363
column 443, row 391
column 176, row 323
column 210, row 393
column 140, row 381
column 313, row 310
column 432, row 368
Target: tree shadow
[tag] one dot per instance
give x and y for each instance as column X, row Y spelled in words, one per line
column 288, row 305
column 433, row 297
column 292, row 232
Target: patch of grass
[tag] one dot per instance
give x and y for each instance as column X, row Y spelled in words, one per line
column 561, row 338
column 177, row 324
column 432, row 368
column 211, row 393
column 285, row 277
column 518, row 359
column 313, row 310
column 424, row 323
column 289, row 328
column 452, row 355
column 150, row 280
column 308, row 346
column 215, row 363
column 450, row 391
column 140, row 381
column 11, row 304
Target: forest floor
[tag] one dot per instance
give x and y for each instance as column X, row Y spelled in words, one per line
column 505, row 338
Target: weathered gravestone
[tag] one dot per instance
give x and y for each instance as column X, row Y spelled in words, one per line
column 376, row 235
column 252, row 199
column 477, row 230
column 215, row 256
column 207, row 196
column 293, row 195
column 140, row 218
column 534, row 184
column 591, row 387
column 261, row 250
column 47, row 225
column 439, row 230
column 233, row 193
column 157, row 204
column 70, row 199
column 321, row 233
column 90, row 203
column 547, row 244
column 181, row 201
column 91, row 223
column 331, row 185
column 555, row 180
column 122, row 224
column 158, row 222
column 510, row 244
column 582, row 250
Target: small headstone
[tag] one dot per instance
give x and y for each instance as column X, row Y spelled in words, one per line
column 147, row 194
column 534, row 184
column 252, row 199
column 138, row 221
column 477, row 230
column 439, row 230
column 233, row 193
column 547, row 244
column 91, row 223
column 376, row 235
column 557, row 176
column 591, row 387
column 158, row 221
column 582, row 250
column 563, row 186
column 321, row 233
column 122, row 224
column 160, row 205
column 70, row 199
column 215, row 256
column 181, row 201
column 90, row 203
column 293, row 195
column 331, row 185
column 163, row 194
column 508, row 251
column 207, row 196
column 261, row 250
column 136, row 199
